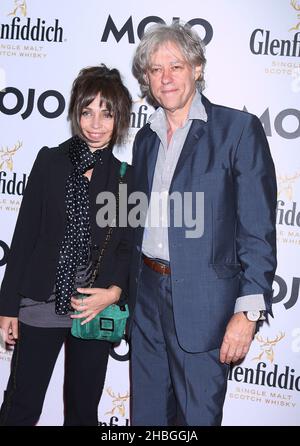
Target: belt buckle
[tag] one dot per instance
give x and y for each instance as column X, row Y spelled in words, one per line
column 162, row 267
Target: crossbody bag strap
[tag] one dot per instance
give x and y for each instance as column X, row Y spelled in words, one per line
column 122, row 172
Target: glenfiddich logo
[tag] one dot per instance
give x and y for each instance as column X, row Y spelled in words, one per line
column 6, row 156
column 20, row 8
column 268, row 373
column 262, row 41
column 118, row 402
column 139, row 115
column 29, row 29
column 296, row 6
column 117, row 414
column 11, row 183
column 267, row 347
column 287, row 212
column 275, row 376
column 285, row 185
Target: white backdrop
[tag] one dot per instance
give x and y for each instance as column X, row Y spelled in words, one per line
column 253, row 62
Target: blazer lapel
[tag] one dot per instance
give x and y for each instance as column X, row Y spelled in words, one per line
column 149, row 151
column 63, row 169
column 100, row 179
column 104, row 179
column 196, row 133
column 152, row 152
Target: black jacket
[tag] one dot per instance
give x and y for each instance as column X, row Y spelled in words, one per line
column 40, row 228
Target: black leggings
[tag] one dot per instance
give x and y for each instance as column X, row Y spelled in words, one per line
column 33, row 361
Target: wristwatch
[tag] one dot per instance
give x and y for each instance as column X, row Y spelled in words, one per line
column 254, row 315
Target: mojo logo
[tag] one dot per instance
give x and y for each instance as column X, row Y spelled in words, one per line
column 4, row 250
column 279, row 119
column 128, row 28
column 284, row 292
column 120, row 355
column 47, row 96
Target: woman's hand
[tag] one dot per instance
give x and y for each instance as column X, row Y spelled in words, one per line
column 9, row 329
column 97, row 300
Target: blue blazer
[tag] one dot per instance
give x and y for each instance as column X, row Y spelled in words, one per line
column 227, row 158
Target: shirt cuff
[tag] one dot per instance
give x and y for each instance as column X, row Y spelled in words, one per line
column 251, row 302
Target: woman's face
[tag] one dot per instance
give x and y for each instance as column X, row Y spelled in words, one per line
column 96, row 124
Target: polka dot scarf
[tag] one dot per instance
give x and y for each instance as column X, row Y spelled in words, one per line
column 75, row 247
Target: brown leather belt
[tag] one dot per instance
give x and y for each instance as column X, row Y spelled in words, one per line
column 158, row 267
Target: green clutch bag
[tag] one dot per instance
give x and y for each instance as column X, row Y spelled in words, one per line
column 109, row 325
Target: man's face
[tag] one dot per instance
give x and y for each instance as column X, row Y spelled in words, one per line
column 171, row 78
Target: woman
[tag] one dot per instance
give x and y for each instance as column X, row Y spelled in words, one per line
column 55, row 246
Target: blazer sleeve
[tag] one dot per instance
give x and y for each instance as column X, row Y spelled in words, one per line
column 121, row 272
column 24, row 238
column 256, row 199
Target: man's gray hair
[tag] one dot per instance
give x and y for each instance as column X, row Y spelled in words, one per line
column 183, row 36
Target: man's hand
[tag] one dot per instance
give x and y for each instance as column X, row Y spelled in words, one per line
column 9, row 329
column 237, row 339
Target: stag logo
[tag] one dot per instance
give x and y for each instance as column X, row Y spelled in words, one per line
column 118, row 403
column 20, row 8
column 285, row 185
column 267, row 347
column 6, row 156
column 295, row 5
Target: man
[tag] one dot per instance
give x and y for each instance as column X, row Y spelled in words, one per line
column 195, row 298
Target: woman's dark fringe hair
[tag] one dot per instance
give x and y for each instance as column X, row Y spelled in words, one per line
column 114, row 95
